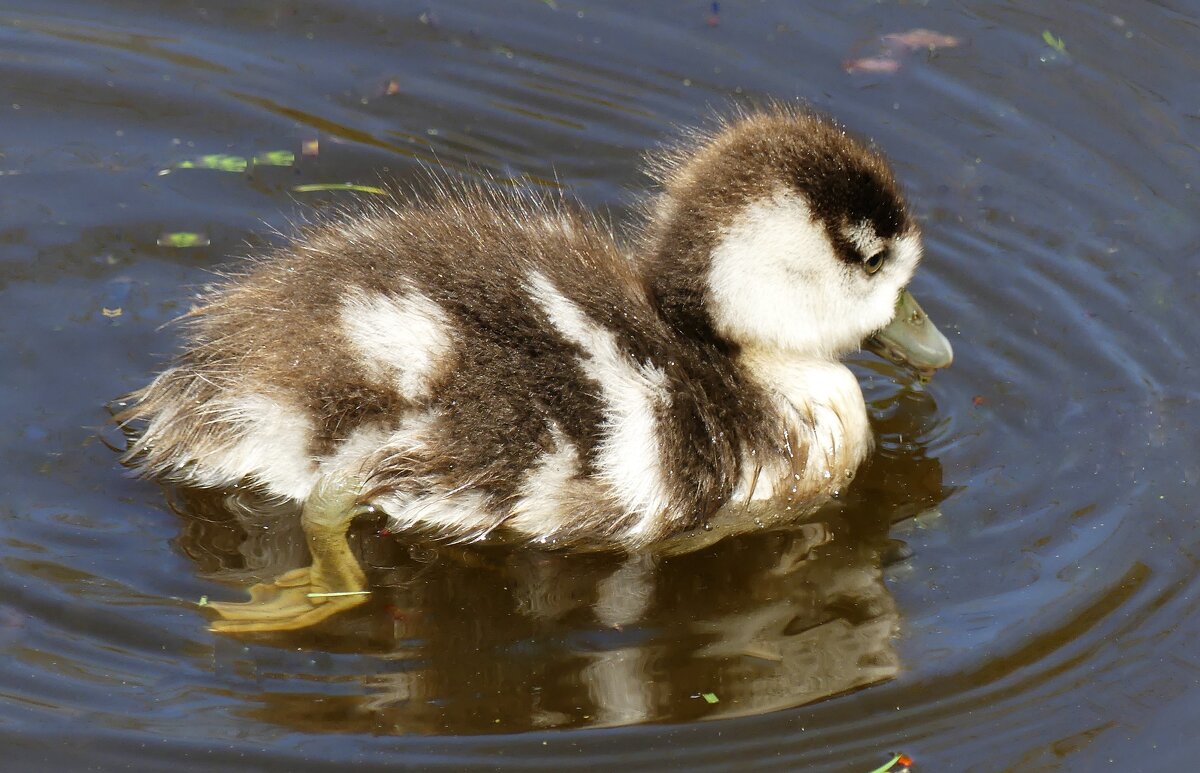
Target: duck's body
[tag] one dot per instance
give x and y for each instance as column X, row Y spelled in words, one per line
column 483, row 363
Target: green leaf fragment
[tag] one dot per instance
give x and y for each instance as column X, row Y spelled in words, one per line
column 1056, row 43
column 315, row 187
column 275, row 158
column 710, row 697
column 222, row 162
column 182, row 239
column 216, row 161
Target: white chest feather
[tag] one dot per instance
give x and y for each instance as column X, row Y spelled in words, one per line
column 827, row 433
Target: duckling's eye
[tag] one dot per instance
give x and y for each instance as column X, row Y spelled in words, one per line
column 875, row 262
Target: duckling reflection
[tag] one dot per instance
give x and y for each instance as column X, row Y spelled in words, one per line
column 490, row 639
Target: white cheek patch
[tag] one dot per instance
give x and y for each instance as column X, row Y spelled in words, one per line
column 879, row 292
column 775, row 282
column 629, row 457
column 403, row 339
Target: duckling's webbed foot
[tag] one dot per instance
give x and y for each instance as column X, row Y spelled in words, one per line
column 303, row 597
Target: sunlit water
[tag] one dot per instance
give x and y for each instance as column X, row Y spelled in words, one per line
column 1010, row 583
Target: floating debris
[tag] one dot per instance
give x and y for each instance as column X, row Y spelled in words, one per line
column 895, row 46
column 183, row 239
column 392, row 88
column 903, row 761
column 978, row 401
column 1056, row 43
column 275, row 158
column 915, row 40
column 316, row 187
column 710, row 697
column 334, row 594
column 713, row 18
column 204, row 601
column 310, row 147
column 219, row 162
column 111, row 313
column 878, row 64
column 223, row 162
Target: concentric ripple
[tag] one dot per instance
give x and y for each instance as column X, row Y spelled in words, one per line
column 1009, row 584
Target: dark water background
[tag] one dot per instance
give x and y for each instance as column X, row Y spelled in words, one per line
column 1011, row 584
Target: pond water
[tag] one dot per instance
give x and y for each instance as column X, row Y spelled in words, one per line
column 1010, row 584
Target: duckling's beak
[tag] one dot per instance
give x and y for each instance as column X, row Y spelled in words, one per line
column 911, row 338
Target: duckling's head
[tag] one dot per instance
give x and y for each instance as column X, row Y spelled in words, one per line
column 781, row 232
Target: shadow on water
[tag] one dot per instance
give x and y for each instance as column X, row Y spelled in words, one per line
column 469, row 639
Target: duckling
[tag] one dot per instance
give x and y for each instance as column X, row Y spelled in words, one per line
column 484, row 363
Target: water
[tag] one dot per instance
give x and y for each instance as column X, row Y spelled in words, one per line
column 1009, row 584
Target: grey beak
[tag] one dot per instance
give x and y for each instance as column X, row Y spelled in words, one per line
column 911, row 338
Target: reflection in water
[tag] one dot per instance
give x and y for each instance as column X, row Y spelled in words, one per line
column 470, row 639
column 1050, row 620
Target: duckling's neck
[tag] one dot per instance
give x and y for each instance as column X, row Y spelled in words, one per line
column 808, row 396
column 804, row 380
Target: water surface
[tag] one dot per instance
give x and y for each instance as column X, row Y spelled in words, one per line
column 1010, row 584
